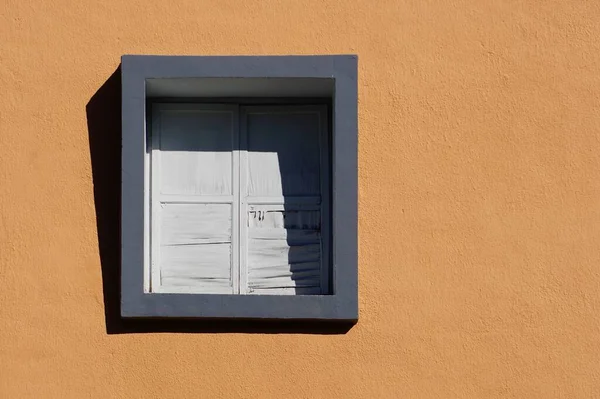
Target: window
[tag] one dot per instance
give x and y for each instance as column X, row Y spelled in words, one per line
column 239, row 187
column 239, row 199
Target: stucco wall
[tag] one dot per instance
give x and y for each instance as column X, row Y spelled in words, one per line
column 479, row 201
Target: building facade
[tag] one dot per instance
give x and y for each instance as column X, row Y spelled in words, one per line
column 478, row 203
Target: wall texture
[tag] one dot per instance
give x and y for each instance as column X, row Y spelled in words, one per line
column 479, row 201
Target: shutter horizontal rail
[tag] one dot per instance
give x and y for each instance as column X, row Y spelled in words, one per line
column 291, row 200
column 195, row 199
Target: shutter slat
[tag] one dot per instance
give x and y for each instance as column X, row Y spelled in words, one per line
column 287, row 291
column 184, row 224
column 280, row 253
column 291, row 236
column 196, row 248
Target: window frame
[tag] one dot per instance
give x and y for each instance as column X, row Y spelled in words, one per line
column 342, row 303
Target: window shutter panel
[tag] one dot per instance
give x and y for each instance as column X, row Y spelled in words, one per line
column 193, row 188
column 283, row 232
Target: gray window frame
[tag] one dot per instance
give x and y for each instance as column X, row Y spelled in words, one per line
column 342, row 304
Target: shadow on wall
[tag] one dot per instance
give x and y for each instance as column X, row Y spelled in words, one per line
column 104, row 129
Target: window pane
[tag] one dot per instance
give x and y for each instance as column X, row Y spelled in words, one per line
column 284, row 251
column 196, row 152
column 195, row 247
column 283, row 154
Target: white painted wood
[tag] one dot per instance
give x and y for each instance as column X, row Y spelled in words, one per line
column 196, row 199
column 287, row 200
column 296, row 236
column 204, row 267
column 195, row 289
column 235, row 209
column 189, row 224
column 294, row 275
column 287, row 291
column 196, row 152
column 201, row 264
column 283, row 153
column 284, row 249
column 243, row 205
column 196, row 246
column 279, row 217
column 284, row 207
column 271, row 253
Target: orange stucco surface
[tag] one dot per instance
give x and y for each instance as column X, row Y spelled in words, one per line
column 479, row 167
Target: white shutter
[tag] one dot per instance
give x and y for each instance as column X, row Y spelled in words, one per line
column 284, row 200
column 239, row 208
column 194, row 185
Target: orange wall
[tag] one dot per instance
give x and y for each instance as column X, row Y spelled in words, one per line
column 479, row 201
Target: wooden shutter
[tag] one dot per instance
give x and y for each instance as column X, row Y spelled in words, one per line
column 194, row 186
column 284, row 203
column 239, row 207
